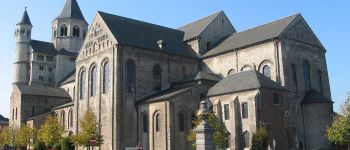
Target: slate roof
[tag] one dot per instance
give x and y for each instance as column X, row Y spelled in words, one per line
column 67, row 53
column 3, row 119
column 64, row 105
column 42, row 91
column 68, row 79
column 252, row 36
column 195, row 28
column 168, row 93
column 145, row 35
column 25, row 19
column 315, row 97
column 243, row 81
column 71, row 10
column 43, row 47
column 207, row 76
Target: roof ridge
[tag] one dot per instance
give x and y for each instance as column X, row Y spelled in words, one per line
column 267, row 23
column 25, row 18
column 71, row 9
column 138, row 21
column 206, row 17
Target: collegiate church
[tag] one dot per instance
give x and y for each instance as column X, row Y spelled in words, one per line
column 145, row 81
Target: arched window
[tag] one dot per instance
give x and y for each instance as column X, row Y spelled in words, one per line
column 16, row 113
column 157, row 71
column 76, row 31
column 145, row 123
column 267, row 71
column 231, row 71
column 70, row 118
column 105, row 88
column 294, row 75
column 306, row 71
column 63, row 118
column 246, row 67
column 130, row 75
column 157, row 123
column 246, row 139
column 73, row 93
column 181, row 122
column 184, row 72
column 64, row 30
column 13, row 114
column 93, row 81
column 320, row 84
column 82, row 85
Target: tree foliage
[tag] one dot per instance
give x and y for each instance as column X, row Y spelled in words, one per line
column 90, row 128
column 220, row 133
column 260, row 139
column 51, row 131
column 339, row 131
column 4, row 136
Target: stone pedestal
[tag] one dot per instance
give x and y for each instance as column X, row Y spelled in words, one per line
column 204, row 132
column 204, row 138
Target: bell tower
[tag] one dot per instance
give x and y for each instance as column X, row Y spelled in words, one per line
column 23, row 36
column 69, row 28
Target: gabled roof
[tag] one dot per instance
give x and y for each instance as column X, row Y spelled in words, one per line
column 25, row 19
column 68, row 79
column 206, row 76
column 313, row 96
column 252, row 36
column 69, row 104
column 42, row 91
column 71, row 10
column 168, row 93
column 43, row 47
column 243, row 81
column 3, row 119
column 195, row 28
column 140, row 34
column 67, row 53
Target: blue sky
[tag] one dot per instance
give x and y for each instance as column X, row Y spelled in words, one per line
column 330, row 20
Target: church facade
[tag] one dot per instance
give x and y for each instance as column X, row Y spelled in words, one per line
column 144, row 81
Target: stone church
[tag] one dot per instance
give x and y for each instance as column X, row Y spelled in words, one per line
column 145, row 81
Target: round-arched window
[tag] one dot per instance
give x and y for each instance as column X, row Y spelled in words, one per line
column 267, row 71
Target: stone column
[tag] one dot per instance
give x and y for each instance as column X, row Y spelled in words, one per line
column 204, row 136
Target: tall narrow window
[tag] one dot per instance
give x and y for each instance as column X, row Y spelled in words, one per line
column 306, row 71
column 267, row 71
column 181, row 122
column 184, row 72
column 16, row 113
column 33, row 111
column 82, row 85
column 13, row 114
column 244, row 110
column 64, row 30
column 76, row 31
column 130, row 75
column 93, row 82
column 276, row 99
column 145, row 123
column 105, row 78
column 73, row 93
column 157, row 77
column 294, row 75
column 157, row 122
column 246, row 139
column 70, row 119
column 227, row 111
column 63, row 118
column 320, row 84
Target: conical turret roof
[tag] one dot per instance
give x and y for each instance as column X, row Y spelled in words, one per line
column 71, row 10
column 25, row 19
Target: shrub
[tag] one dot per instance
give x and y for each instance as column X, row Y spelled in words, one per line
column 260, row 139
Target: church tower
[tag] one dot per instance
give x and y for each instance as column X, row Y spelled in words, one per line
column 23, row 37
column 69, row 28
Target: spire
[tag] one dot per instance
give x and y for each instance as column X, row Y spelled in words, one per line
column 25, row 18
column 71, row 10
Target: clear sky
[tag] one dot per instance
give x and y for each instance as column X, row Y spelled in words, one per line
column 329, row 19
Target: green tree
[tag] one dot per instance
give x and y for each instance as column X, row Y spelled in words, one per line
column 4, row 136
column 90, row 128
column 220, row 133
column 24, row 136
column 339, row 131
column 50, row 132
column 260, row 139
